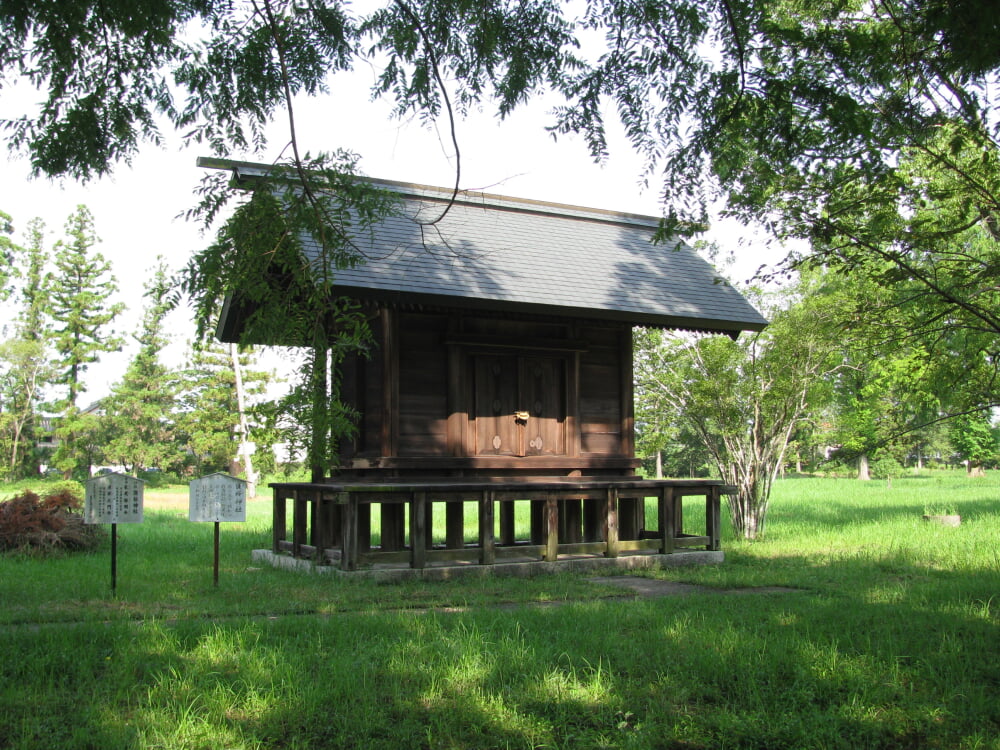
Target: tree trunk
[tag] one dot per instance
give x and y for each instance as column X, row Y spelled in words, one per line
column 659, row 464
column 975, row 469
column 747, row 514
column 863, row 473
column 244, row 447
column 748, row 507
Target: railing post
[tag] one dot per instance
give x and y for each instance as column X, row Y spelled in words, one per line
column 611, row 522
column 552, row 528
column 454, row 525
column 298, row 524
column 713, row 514
column 315, row 533
column 278, row 520
column 665, row 506
column 418, row 530
column 507, row 522
column 349, row 537
column 363, row 526
column 487, row 542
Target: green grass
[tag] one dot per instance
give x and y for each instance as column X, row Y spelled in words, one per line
column 890, row 640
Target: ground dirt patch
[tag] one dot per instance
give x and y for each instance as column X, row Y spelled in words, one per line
column 651, row 587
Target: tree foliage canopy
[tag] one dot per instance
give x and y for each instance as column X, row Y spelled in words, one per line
column 743, row 398
column 138, row 413
column 820, row 119
column 791, row 107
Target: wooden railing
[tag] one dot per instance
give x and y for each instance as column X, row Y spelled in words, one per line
column 332, row 523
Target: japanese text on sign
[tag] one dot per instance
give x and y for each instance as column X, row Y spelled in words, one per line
column 218, row 497
column 113, row 498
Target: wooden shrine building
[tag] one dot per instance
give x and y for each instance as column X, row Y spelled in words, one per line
column 502, row 376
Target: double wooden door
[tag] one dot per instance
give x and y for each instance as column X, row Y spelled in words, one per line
column 520, row 405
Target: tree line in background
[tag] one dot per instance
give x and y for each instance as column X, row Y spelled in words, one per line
column 183, row 420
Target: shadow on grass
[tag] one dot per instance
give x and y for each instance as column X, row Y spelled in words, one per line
column 883, row 654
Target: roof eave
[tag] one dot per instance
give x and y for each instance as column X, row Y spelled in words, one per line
column 632, row 317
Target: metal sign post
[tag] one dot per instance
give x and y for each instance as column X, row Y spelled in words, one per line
column 114, row 499
column 215, row 566
column 217, row 497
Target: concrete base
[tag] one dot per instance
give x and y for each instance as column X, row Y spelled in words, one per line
column 518, row 569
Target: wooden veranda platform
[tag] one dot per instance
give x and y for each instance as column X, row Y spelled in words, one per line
column 332, row 523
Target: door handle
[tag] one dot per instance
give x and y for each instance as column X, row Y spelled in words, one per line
column 521, row 417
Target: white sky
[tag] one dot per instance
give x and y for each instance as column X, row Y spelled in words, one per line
column 136, row 211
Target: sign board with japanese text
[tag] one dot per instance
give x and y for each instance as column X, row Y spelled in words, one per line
column 217, row 497
column 113, row 498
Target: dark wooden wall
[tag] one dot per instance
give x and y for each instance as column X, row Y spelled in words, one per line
column 475, row 395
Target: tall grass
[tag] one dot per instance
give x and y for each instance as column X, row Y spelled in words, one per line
column 885, row 635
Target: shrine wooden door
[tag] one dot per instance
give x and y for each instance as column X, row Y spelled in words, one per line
column 520, row 405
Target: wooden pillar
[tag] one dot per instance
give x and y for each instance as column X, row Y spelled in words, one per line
column 627, row 406
column 418, row 530
column 713, row 517
column 665, row 509
column 454, row 533
column 552, row 528
column 330, row 523
column 392, row 535
column 571, row 521
column 349, row 541
column 487, row 544
column 315, row 536
column 611, row 503
column 539, row 524
column 390, row 382
column 628, row 518
column 429, row 523
column 278, row 520
column 507, row 536
column 320, row 437
column 299, row 524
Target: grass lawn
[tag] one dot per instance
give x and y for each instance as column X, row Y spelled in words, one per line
column 890, row 640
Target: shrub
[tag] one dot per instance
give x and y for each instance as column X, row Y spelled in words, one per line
column 885, row 467
column 28, row 522
column 70, row 486
column 155, row 478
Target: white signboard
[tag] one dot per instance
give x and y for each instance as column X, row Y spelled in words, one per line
column 113, row 498
column 218, row 497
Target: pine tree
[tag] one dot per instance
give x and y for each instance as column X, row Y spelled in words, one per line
column 139, row 419
column 8, row 251
column 210, row 412
column 33, row 324
column 25, row 369
column 81, row 289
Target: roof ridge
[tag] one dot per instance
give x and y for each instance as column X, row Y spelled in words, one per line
column 248, row 171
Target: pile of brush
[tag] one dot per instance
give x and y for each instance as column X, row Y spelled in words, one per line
column 54, row 522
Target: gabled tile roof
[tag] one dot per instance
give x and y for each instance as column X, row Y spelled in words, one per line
column 504, row 254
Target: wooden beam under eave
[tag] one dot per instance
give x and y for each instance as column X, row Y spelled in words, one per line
column 627, row 441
